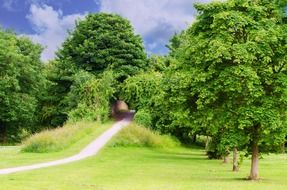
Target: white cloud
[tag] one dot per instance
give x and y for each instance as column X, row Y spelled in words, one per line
column 51, row 27
column 8, row 4
column 155, row 20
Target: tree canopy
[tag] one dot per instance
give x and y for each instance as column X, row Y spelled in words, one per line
column 102, row 41
column 21, row 81
column 235, row 53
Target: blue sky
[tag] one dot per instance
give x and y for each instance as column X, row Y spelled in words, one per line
column 47, row 21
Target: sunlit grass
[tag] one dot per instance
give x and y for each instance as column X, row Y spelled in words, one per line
column 137, row 136
column 58, row 139
column 13, row 156
column 141, row 168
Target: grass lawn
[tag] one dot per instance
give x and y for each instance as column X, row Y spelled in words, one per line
column 11, row 156
column 132, row 168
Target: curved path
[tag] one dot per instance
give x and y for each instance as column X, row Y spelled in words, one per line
column 90, row 150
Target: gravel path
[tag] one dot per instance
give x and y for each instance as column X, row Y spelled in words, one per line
column 90, row 150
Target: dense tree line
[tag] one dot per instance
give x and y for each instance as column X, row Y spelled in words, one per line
column 79, row 84
column 226, row 79
column 94, row 60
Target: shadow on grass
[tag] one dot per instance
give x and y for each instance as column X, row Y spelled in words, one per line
column 245, row 179
column 193, row 146
column 179, row 156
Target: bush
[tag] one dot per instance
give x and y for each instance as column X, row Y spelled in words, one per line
column 137, row 136
column 83, row 112
column 57, row 139
column 143, row 117
column 201, row 140
column 213, row 150
column 93, row 99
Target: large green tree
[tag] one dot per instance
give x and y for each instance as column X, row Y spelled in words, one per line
column 21, row 81
column 236, row 53
column 99, row 42
column 102, row 41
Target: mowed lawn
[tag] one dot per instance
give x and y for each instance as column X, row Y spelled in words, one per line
column 134, row 168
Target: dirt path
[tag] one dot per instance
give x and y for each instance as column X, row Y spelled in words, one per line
column 90, row 150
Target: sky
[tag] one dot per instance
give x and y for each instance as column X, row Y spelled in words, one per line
column 47, row 21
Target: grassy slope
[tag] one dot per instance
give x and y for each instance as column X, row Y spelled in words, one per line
column 134, row 168
column 11, row 156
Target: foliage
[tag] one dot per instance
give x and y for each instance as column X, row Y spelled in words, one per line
column 140, row 90
column 236, row 56
column 99, row 43
column 172, row 106
column 93, row 98
column 102, row 41
column 57, row 139
column 143, row 118
column 175, row 43
column 134, row 135
column 55, row 107
column 158, row 63
column 162, row 98
column 21, row 84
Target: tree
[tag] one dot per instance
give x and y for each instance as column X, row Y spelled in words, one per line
column 102, row 41
column 21, row 83
column 141, row 90
column 235, row 53
column 99, row 43
column 174, row 43
column 91, row 96
column 55, row 106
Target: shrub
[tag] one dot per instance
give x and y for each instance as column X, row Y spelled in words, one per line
column 143, row 117
column 57, row 139
column 213, row 150
column 137, row 136
column 81, row 112
column 93, row 99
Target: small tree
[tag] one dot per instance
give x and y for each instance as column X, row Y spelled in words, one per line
column 235, row 53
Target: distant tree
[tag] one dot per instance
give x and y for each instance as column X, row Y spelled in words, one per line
column 21, row 84
column 102, row 41
column 236, row 53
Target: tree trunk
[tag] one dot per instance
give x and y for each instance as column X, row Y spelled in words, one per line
column 3, row 133
column 194, row 138
column 235, row 160
column 225, row 159
column 254, row 173
column 283, row 147
column 99, row 118
column 207, row 143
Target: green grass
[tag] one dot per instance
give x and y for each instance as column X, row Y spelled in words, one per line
column 137, row 136
column 145, row 168
column 58, row 139
column 11, row 156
